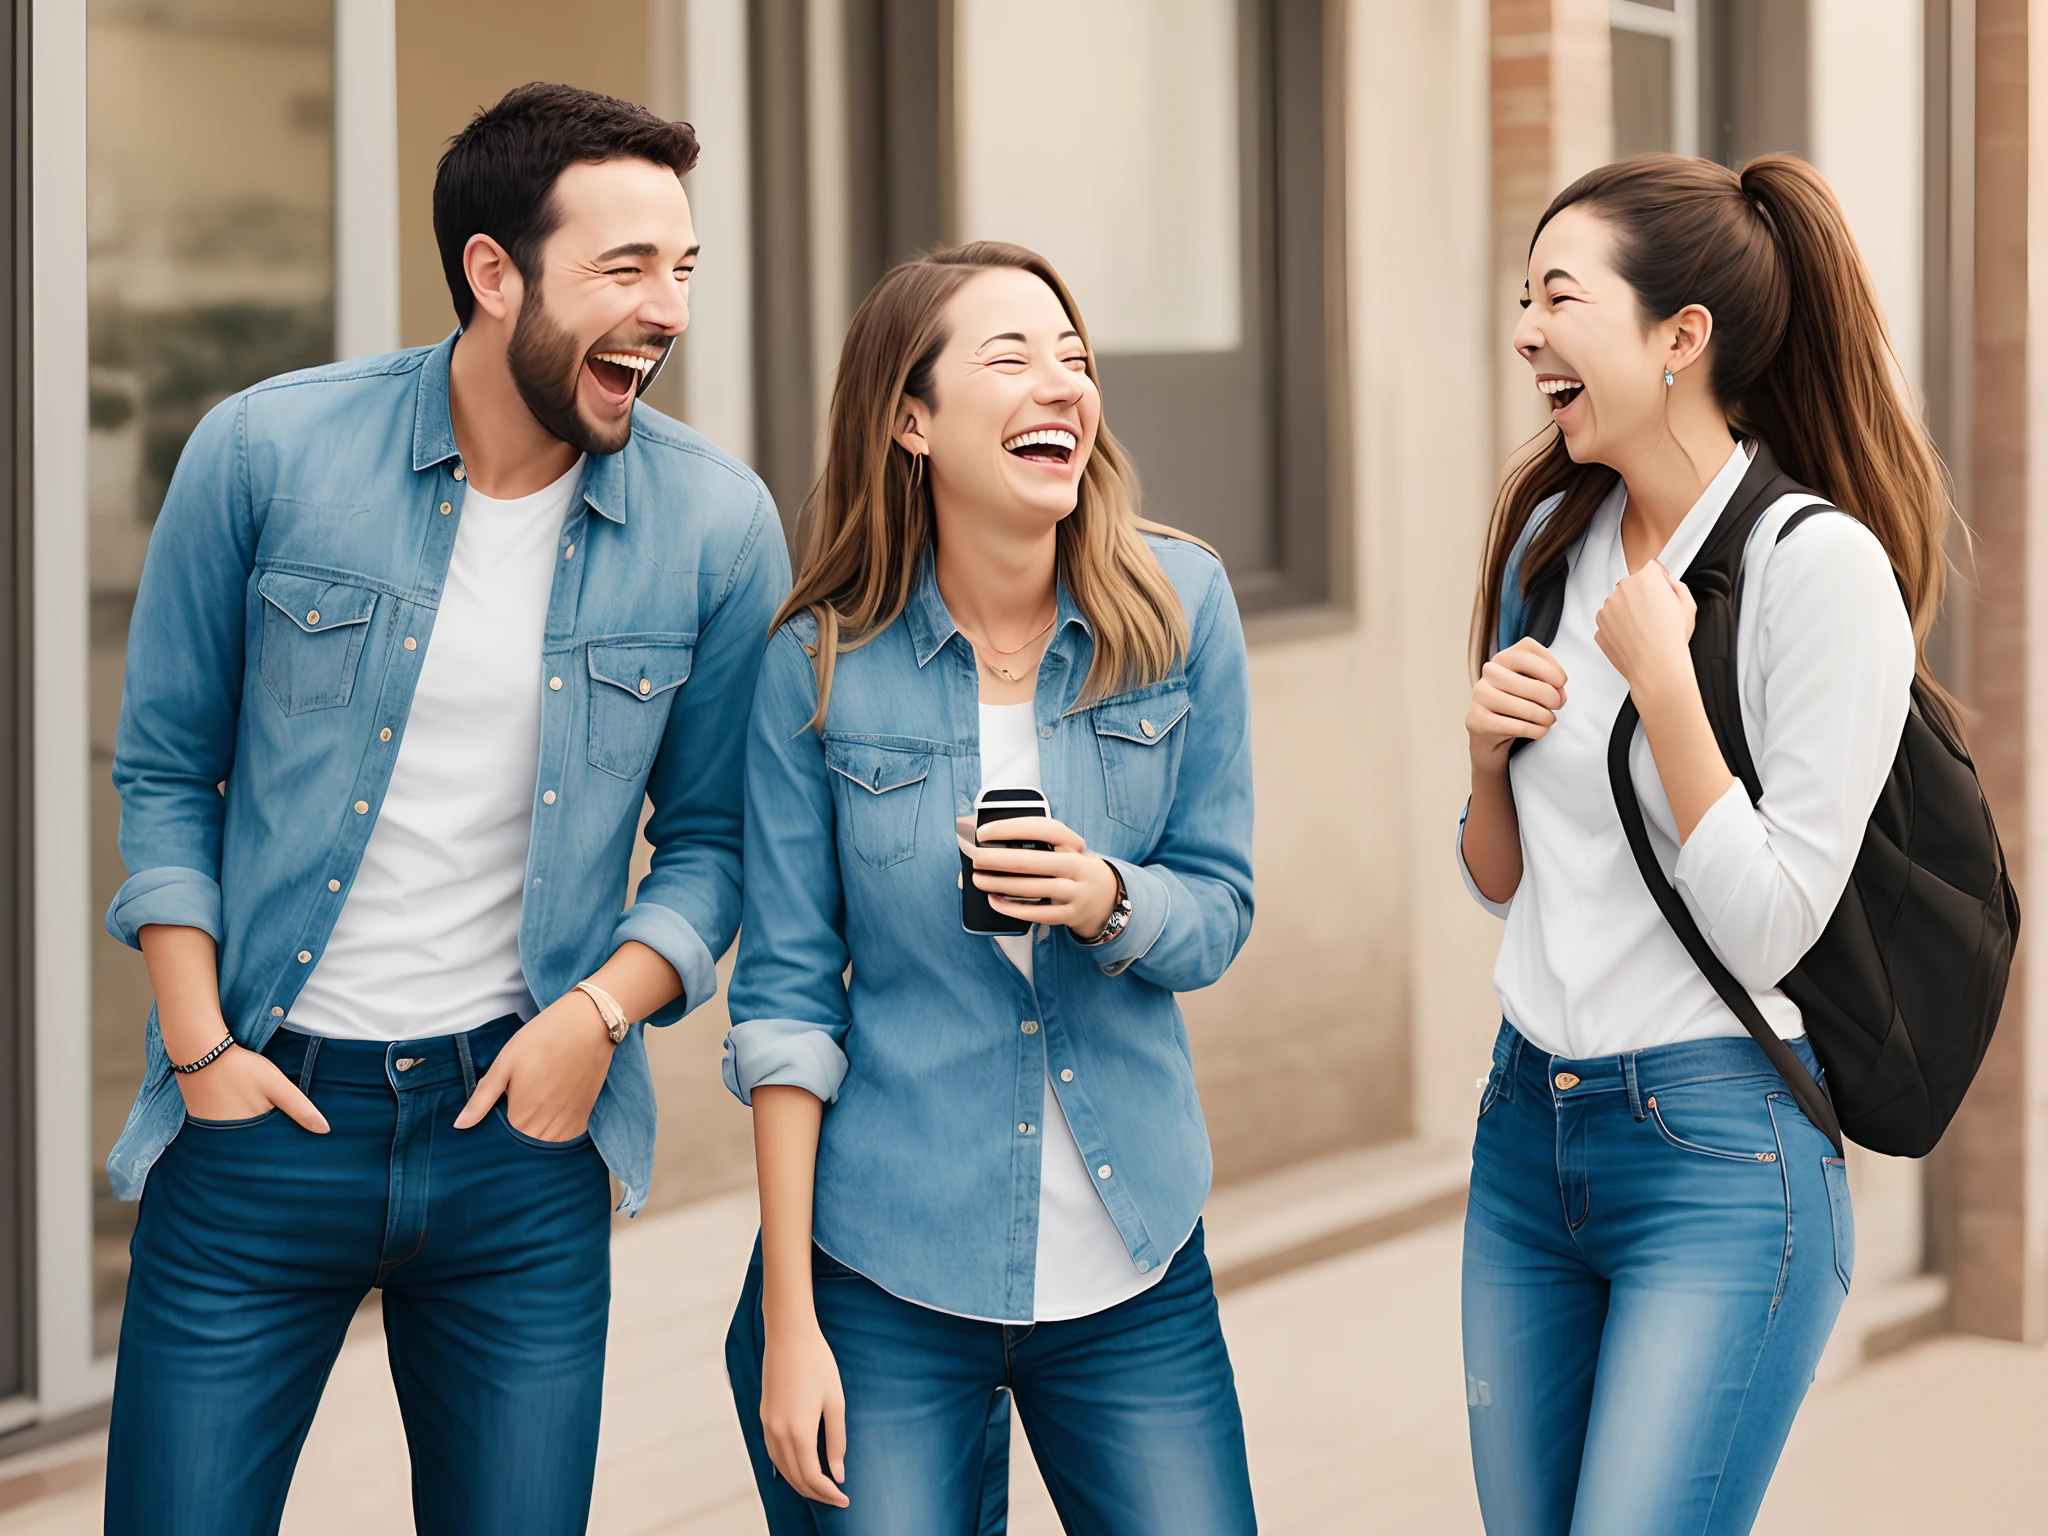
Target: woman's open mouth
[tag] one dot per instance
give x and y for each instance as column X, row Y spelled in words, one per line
column 1045, row 445
column 618, row 374
column 1562, row 391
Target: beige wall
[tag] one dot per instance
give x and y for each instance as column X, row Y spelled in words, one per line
column 1360, row 1010
column 455, row 56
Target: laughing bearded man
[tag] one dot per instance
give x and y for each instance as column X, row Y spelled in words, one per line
column 417, row 637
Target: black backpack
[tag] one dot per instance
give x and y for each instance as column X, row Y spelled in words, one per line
column 1903, row 988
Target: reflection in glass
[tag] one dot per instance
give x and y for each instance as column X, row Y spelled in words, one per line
column 1106, row 137
column 210, row 197
column 1643, row 84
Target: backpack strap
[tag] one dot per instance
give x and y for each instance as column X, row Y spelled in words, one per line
column 1808, row 1093
column 1715, row 579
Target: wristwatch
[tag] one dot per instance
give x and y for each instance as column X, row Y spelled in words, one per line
column 608, row 1009
column 1119, row 915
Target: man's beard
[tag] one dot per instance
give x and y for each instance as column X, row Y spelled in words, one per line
column 547, row 366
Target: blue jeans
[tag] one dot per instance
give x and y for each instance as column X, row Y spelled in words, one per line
column 257, row 1240
column 1656, row 1248
column 1132, row 1413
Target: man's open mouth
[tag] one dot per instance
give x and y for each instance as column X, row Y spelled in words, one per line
column 1047, row 445
column 620, row 372
column 1562, row 392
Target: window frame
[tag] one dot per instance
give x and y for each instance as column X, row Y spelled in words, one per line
column 1680, row 26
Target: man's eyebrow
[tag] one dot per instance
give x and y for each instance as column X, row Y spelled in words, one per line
column 635, row 248
column 692, row 251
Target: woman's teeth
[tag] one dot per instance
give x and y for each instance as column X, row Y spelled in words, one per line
column 1562, row 392
column 1052, row 445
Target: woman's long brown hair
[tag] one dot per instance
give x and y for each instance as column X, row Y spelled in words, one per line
column 1800, row 360
column 869, row 519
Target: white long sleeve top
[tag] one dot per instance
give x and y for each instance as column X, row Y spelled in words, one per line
column 1824, row 658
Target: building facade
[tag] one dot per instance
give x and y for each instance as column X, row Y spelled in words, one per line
column 1297, row 229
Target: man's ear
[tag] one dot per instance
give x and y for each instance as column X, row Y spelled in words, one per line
column 911, row 416
column 493, row 278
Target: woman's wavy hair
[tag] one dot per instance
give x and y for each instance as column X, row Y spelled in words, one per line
column 1800, row 360
column 868, row 521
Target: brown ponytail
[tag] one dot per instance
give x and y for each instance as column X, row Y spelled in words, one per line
column 1800, row 360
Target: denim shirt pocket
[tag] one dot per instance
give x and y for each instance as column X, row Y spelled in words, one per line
column 313, row 634
column 1140, row 748
column 878, row 785
column 632, row 687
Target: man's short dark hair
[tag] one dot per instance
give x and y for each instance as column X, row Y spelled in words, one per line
column 498, row 175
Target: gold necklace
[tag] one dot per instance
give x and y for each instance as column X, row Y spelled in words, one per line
column 981, row 645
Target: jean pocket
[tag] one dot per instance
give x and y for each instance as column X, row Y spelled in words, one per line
column 1726, row 1119
column 878, row 787
column 234, row 1125
column 1841, row 1216
column 498, row 1113
column 633, row 683
column 313, row 634
column 1140, row 744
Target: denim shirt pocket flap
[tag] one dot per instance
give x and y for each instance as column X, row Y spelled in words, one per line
column 874, row 767
column 881, row 822
column 312, row 638
column 633, row 681
column 1145, row 719
column 643, row 669
column 316, row 606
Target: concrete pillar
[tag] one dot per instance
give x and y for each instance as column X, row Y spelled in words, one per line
column 1552, row 122
column 1994, row 1219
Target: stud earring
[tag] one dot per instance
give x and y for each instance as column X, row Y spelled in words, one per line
column 1668, row 380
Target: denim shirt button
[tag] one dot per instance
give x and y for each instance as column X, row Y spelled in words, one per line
column 1066, row 1074
column 277, row 1013
column 1102, row 1172
column 1144, row 1266
column 1045, row 730
column 1029, row 1026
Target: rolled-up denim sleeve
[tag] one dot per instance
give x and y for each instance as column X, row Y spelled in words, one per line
column 688, row 906
column 182, row 689
column 1191, row 898
column 788, row 998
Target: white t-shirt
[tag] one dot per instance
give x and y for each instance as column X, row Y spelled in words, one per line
column 427, row 942
column 1083, row 1266
column 1824, row 660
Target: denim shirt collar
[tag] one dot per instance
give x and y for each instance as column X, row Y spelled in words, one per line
column 433, row 437
column 931, row 626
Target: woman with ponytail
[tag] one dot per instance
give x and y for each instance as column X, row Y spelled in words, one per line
column 1658, row 1240
column 981, row 1155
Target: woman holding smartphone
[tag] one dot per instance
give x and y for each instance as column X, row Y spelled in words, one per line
column 982, row 1161
column 1658, row 1239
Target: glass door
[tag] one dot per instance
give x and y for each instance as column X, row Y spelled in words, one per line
column 210, row 211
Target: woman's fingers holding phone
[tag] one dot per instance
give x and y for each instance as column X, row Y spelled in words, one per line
column 1033, row 829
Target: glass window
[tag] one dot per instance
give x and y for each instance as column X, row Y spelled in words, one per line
column 1655, row 51
column 210, row 195
column 1642, row 93
column 1122, row 168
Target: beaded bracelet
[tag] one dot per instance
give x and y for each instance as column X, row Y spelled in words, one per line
column 205, row 1061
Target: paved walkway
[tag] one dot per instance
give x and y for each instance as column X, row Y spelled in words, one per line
column 1348, row 1370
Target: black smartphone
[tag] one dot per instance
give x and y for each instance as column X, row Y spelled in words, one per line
column 976, row 915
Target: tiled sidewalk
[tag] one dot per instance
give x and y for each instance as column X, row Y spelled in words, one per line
column 1352, row 1392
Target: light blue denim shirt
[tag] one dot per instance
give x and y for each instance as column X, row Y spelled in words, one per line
column 857, row 982
column 303, row 544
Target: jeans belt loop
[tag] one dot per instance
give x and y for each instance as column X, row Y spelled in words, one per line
column 1635, row 1092
column 468, row 1062
column 306, row 1066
